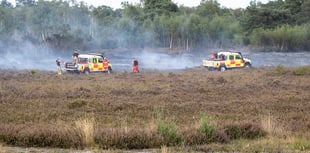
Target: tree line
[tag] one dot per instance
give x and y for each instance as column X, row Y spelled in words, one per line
column 280, row 25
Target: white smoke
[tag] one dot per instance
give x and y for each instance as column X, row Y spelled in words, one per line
column 25, row 55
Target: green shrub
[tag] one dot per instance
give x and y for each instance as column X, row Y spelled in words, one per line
column 169, row 132
column 207, row 128
column 280, row 69
column 32, row 72
column 167, row 129
column 301, row 70
column 282, row 38
column 301, row 144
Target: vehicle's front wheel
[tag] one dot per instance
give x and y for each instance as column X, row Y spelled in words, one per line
column 247, row 65
column 222, row 68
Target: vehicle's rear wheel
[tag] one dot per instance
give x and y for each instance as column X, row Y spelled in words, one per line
column 222, row 68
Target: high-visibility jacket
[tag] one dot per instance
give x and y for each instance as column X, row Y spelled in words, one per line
column 106, row 64
column 135, row 66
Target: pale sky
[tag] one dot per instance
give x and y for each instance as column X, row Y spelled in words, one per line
column 117, row 3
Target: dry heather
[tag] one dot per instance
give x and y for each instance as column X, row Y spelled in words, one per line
column 274, row 99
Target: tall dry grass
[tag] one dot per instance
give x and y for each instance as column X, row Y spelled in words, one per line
column 2, row 150
column 164, row 149
column 269, row 124
column 86, row 130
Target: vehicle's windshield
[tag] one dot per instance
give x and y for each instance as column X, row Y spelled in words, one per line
column 83, row 60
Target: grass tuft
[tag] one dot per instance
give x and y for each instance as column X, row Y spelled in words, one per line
column 32, row 72
column 127, row 138
column 207, row 128
column 169, row 132
column 247, row 130
column 301, row 70
column 300, row 144
column 85, row 128
column 77, row 104
column 164, row 149
column 280, row 69
column 268, row 124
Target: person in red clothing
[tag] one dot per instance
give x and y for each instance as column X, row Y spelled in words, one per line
column 135, row 66
column 106, row 64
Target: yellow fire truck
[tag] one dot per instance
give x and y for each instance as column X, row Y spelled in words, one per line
column 88, row 63
column 226, row 60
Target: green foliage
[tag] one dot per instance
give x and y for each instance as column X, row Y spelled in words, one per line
column 154, row 8
column 209, row 8
column 207, row 128
column 32, row 72
column 168, row 131
column 301, row 145
column 302, row 70
column 280, row 69
column 284, row 38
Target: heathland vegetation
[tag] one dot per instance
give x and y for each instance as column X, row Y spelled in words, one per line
column 65, row 24
column 248, row 110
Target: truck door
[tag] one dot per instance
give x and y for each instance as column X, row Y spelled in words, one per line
column 239, row 61
column 231, row 61
column 93, row 65
column 100, row 64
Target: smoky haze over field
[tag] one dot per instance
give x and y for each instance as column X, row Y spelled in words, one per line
column 29, row 56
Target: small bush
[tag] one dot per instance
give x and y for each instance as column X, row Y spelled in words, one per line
column 192, row 136
column 301, row 70
column 244, row 130
column 77, row 104
column 32, row 72
column 8, row 133
column 40, row 136
column 301, row 144
column 207, row 128
column 221, row 136
column 280, row 69
column 125, row 138
column 169, row 132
